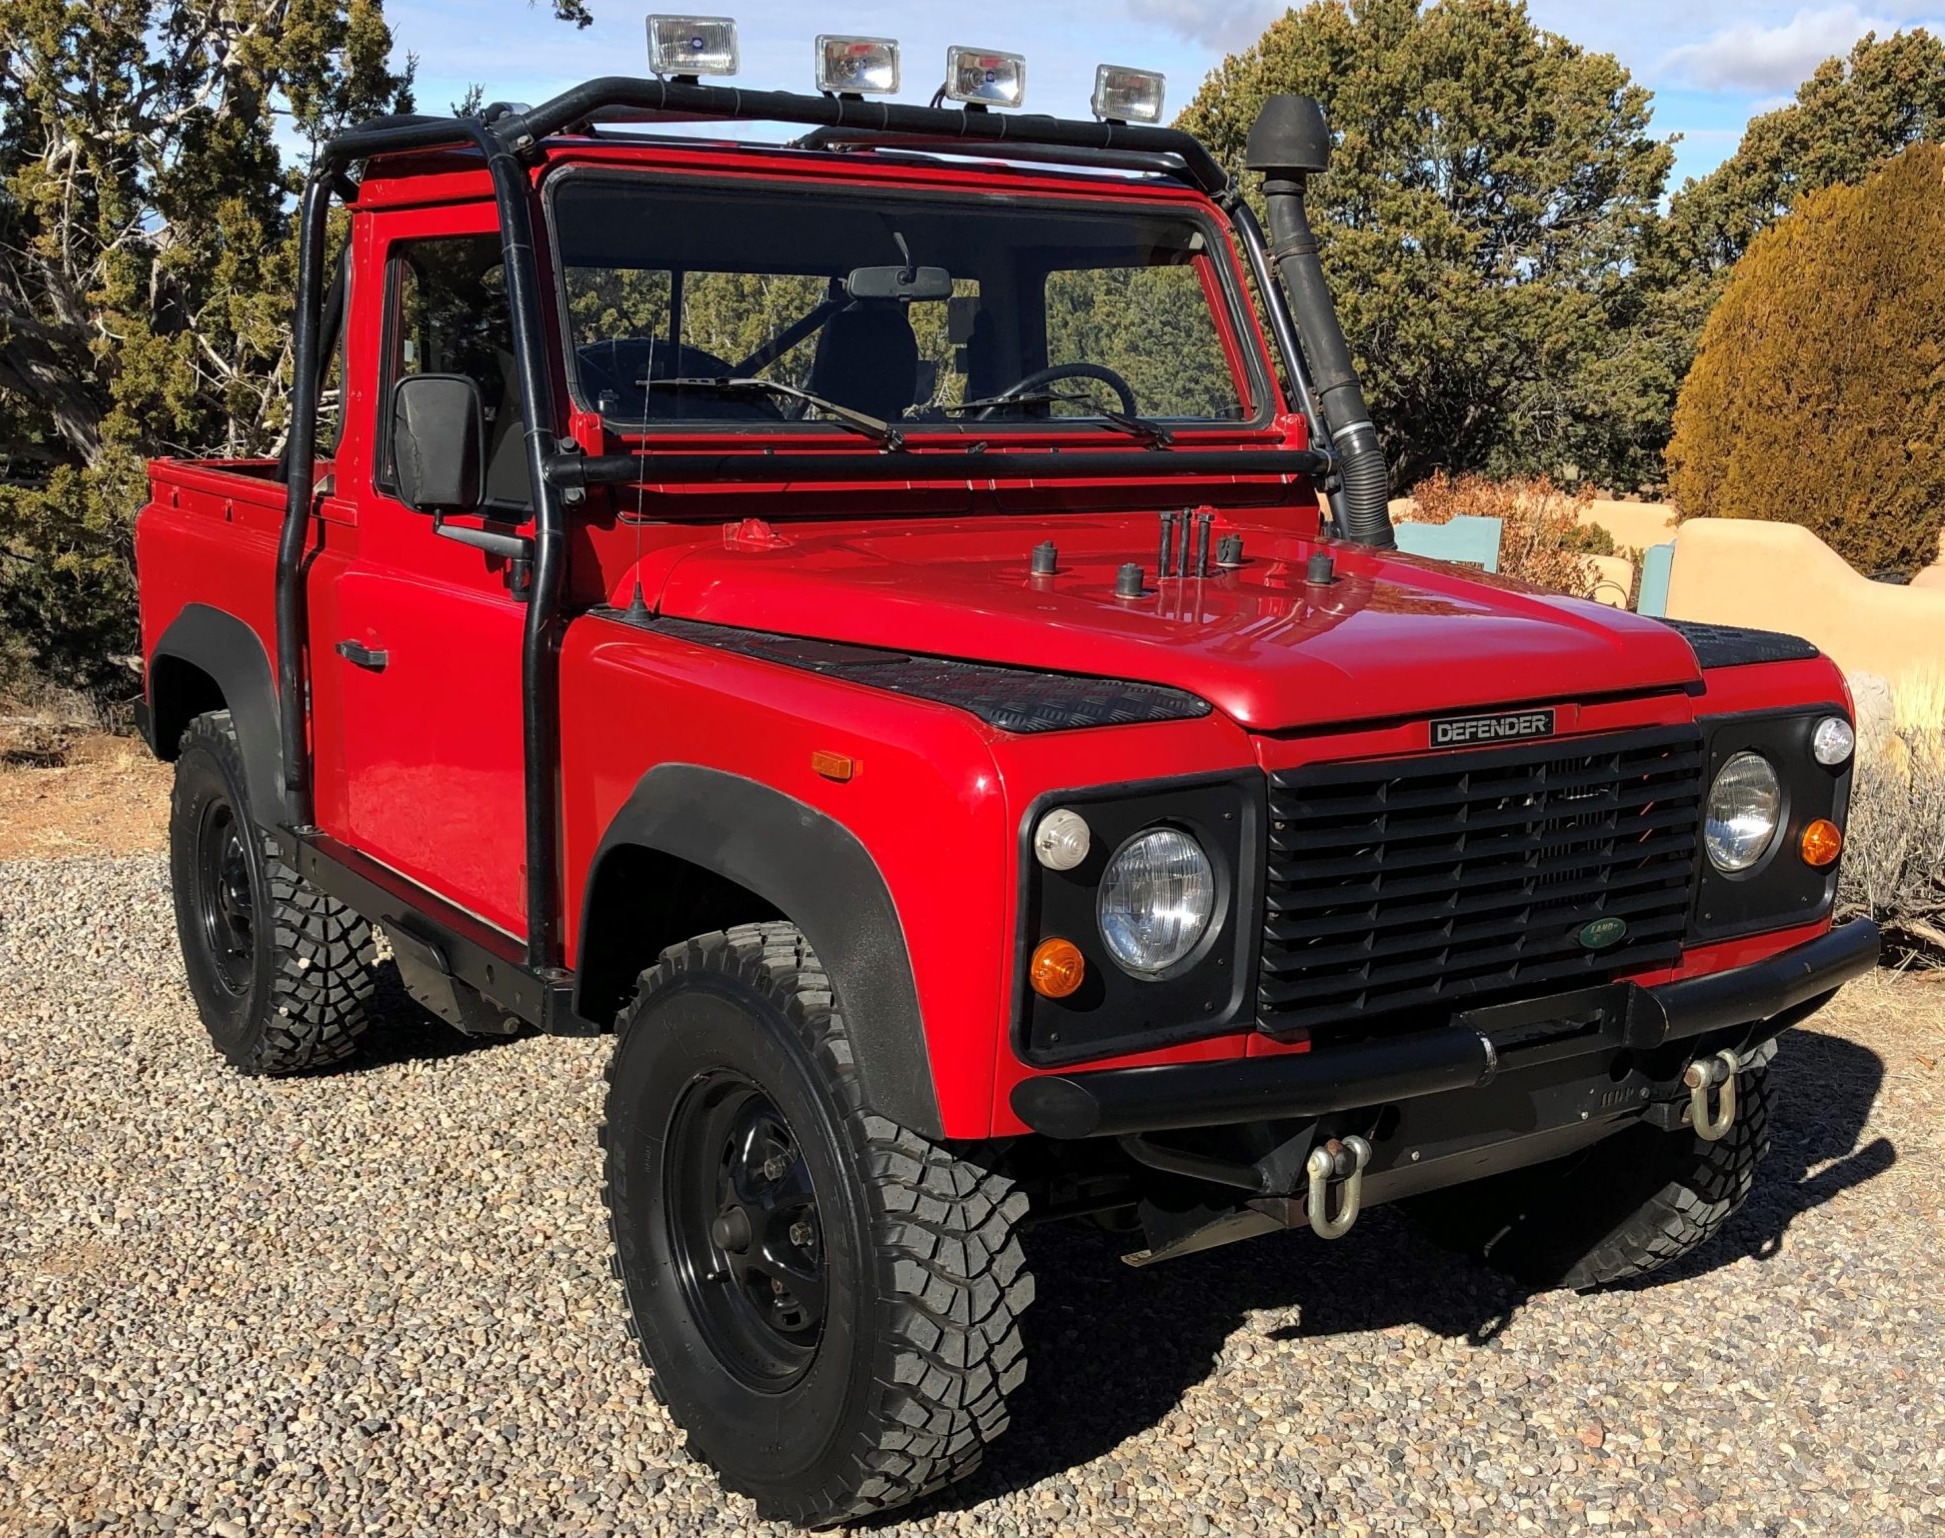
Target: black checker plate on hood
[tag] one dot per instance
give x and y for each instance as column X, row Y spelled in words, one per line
column 1012, row 699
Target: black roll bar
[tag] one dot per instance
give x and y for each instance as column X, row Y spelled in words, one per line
column 1143, row 162
column 501, row 143
column 540, row 670
column 610, row 98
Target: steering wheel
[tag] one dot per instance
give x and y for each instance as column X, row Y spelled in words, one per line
column 1098, row 372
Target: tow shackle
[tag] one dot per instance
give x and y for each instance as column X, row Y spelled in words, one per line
column 1341, row 1162
column 1716, row 1073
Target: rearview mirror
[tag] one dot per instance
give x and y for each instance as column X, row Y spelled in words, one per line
column 895, row 282
column 438, row 443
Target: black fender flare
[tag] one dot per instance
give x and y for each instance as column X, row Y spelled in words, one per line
column 815, row 872
column 229, row 651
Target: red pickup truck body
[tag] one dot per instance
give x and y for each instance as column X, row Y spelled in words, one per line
column 411, row 765
column 1488, row 878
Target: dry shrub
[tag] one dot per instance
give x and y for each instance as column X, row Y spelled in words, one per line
column 38, row 724
column 1894, row 854
column 1541, row 541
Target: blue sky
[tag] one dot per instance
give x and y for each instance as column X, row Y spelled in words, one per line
column 1710, row 64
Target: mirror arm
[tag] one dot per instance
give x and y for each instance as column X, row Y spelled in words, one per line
column 511, row 547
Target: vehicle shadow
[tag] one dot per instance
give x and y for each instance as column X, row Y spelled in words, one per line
column 402, row 1030
column 1112, row 1350
column 1825, row 1088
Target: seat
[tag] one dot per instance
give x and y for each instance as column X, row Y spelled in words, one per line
column 611, row 374
column 867, row 359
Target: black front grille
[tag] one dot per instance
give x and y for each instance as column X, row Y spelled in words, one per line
column 1404, row 887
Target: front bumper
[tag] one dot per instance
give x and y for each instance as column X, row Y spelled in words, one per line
column 1470, row 1053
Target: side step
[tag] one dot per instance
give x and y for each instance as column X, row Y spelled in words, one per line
column 466, row 972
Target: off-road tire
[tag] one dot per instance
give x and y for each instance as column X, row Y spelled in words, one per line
column 1629, row 1205
column 295, row 993
column 925, row 1278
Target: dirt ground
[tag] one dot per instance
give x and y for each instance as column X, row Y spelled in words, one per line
column 108, row 795
column 379, row 1300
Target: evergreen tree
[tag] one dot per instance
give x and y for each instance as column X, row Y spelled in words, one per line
column 1493, row 191
column 147, row 260
column 1818, row 395
column 1848, row 119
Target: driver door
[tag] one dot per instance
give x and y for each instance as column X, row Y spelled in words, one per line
column 427, row 637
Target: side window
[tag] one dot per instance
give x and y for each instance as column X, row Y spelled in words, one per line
column 448, row 315
column 330, row 402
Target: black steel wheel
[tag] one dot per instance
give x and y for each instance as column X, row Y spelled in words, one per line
column 829, row 1302
column 744, row 1230
column 280, row 973
column 224, row 904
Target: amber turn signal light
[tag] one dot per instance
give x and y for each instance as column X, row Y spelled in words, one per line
column 1823, row 841
column 1058, row 968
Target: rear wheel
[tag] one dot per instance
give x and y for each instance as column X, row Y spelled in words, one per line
column 280, row 973
column 1629, row 1205
column 829, row 1302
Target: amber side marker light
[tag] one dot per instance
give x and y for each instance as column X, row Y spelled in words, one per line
column 1058, row 968
column 1823, row 841
column 833, row 766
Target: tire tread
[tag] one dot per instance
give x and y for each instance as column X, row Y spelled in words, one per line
column 951, row 1274
column 322, row 953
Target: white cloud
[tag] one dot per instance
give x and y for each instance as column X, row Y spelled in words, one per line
column 1222, row 24
column 1754, row 57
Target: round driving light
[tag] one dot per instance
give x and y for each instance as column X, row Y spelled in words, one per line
column 1057, row 969
column 1745, row 805
column 1823, row 841
column 1062, row 840
column 1157, row 896
column 1833, row 742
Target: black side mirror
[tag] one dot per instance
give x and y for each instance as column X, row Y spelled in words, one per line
column 438, row 443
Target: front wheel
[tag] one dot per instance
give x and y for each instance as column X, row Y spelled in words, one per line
column 829, row 1302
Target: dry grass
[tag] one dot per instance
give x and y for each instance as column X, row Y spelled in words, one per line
column 90, row 794
column 1894, row 856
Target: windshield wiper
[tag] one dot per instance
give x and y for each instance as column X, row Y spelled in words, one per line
column 1151, row 433
column 874, row 428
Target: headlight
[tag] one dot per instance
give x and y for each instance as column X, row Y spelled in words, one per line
column 1157, row 896
column 1745, row 805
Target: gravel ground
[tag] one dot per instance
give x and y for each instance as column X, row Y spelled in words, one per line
column 378, row 1302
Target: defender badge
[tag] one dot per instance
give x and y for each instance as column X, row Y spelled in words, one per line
column 1465, row 731
column 1602, row 933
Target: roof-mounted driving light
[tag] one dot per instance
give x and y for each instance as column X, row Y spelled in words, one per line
column 691, row 45
column 1123, row 95
column 857, row 66
column 982, row 78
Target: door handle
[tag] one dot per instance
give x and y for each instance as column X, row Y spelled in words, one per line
column 363, row 656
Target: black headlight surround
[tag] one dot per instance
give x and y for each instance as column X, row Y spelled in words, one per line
column 1212, row 991
column 1779, row 890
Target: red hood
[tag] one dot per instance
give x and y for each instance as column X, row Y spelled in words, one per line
column 1392, row 636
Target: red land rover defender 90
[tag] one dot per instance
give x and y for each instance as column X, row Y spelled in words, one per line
column 901, row 626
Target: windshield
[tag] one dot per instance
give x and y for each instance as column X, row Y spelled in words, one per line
column 687, row 304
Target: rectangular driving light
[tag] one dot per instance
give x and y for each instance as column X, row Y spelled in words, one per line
column 1124, row 95
column 691, row 45
column 857, row 66
column 981, row 77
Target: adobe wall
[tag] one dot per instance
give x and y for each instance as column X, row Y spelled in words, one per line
column 1777, row 576
column 1634, row 525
